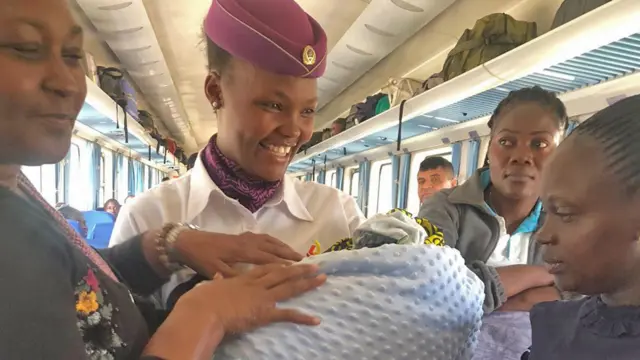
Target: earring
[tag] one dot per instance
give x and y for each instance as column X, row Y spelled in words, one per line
column 215, row 105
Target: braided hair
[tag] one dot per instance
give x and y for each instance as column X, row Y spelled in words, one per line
column 617, row 129
column 535, row 94
column 538, row 95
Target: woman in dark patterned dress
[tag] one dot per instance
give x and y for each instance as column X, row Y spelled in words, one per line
column 62, row 300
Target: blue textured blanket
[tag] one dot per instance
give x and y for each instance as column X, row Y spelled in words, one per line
column 401, row 302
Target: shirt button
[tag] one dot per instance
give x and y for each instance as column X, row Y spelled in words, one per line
column 116, row 309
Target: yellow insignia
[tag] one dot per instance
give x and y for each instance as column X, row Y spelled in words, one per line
column 314, row 249
column 308, row 56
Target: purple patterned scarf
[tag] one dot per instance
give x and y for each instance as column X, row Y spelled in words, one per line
column 234, row 182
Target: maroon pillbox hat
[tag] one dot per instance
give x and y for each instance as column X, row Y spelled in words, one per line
column 275, row 35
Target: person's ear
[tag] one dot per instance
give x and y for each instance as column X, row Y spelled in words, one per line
column 213, row 91
column 454, row 182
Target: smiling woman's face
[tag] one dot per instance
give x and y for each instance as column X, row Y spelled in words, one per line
column 265, row 117
column 524, row 136
column 43, row 85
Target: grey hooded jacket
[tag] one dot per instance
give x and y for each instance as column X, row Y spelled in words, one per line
column 469, row 225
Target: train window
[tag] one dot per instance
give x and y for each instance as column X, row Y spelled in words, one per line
column 413, row 203
column 61, row 182
column 78, row 190
column 108, row 176
column 331, row 178
column 354, row 182
column 102, row 191
column 379, row 187
column 48, row 178
column 34, row 175
column 385, row 184
column 145, row 176
column 123, row 180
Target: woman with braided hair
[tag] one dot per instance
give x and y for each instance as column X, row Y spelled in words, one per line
column 591, row 240
column 490, row 218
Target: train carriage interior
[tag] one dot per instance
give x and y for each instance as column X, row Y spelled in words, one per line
column 391, row 52
column 405, row 80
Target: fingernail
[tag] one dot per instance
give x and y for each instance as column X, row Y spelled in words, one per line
column 316, row 321
column 322, row 277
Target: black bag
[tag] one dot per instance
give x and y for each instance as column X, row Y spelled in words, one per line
column 179, row 153
column 572, row 9
column 366, row 110
column 111, row 82
column 146, row 120
column 326, row 134
column 316, row 138
column 161, row 141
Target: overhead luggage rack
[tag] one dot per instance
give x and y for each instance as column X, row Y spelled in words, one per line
column 599, row 46
column 99, row 113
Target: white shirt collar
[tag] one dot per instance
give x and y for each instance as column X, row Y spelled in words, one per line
column 202, row 189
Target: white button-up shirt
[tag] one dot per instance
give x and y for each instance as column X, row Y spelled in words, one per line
column 299, row 214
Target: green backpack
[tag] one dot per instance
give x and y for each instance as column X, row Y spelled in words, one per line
column 491, row 36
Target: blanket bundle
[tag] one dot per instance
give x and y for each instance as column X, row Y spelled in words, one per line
column 391, row 297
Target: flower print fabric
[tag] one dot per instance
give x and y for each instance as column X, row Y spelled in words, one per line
column 94, row 319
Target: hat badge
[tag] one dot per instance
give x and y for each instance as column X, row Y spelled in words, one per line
column 308, row 56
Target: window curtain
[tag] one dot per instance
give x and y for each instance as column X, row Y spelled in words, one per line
column 139, row 177
column 472, row 157
column 456, row 153
column 93, row 163
column 395, row 181
column 131, row 177
column 117, row 175
column 363, row 186
column 403, row 191
column 150, row 171
column 322, row 177
column 340, row 178
column 59, row 196
column 66, row 174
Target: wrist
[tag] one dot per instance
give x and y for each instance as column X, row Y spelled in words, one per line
column 152, row 255
column 169, row 251
column 186, row 334
column 183, row 242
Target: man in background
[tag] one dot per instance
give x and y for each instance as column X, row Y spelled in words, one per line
column 435, row 174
